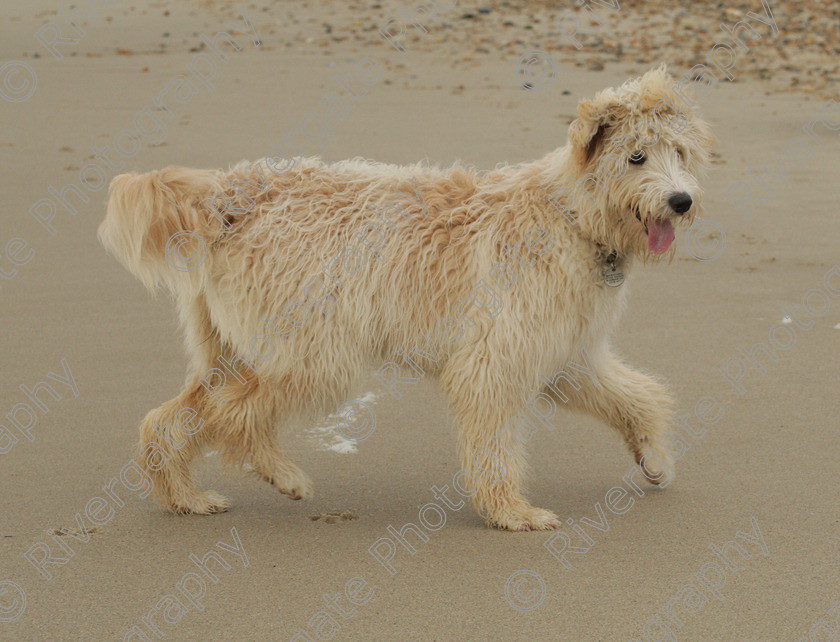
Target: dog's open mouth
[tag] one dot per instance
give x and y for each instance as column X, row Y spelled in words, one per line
column 660, row 233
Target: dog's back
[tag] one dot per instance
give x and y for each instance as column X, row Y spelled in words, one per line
column 336, row 264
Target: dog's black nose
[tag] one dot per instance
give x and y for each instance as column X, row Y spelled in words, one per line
column 680, row 203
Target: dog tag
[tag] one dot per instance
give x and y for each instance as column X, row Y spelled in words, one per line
column 614, row 277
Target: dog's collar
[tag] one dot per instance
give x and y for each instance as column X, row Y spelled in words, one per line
column 607, row 256
column 613, row 276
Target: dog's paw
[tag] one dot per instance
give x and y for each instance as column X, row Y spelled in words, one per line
column 657, row 466
column 207, row 503
column 295, row 486
column 524, row 519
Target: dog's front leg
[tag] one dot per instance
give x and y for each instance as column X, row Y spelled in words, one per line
column 169, row 442
column 494, row 460
column 635, row 404
column 496, row 464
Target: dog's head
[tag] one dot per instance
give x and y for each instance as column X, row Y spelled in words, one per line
column 638, row 151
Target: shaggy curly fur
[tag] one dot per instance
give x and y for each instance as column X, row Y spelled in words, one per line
column 319, row 270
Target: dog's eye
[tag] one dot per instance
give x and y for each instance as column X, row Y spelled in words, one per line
column 681, row 155
column 638, row 158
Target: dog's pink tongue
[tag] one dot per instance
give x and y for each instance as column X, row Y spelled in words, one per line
column 660, row 235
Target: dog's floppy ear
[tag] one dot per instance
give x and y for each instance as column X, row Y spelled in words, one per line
column 587, row 130
column 156, row 217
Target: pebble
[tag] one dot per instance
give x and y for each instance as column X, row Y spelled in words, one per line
column 803, row 58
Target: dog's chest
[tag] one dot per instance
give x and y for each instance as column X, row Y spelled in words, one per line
column 607, row 299
column 590, row 304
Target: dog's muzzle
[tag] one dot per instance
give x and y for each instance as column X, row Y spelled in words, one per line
column 660, row 231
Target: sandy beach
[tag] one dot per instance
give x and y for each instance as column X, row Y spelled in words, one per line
column 744, row 324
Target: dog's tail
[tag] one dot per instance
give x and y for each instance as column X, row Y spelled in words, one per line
column 158, row 224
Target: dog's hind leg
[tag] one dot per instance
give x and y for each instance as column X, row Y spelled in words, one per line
column 635, row 404
column 484, row 398
column 239, row 419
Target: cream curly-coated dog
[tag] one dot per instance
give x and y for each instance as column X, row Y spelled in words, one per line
column 303, row 275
